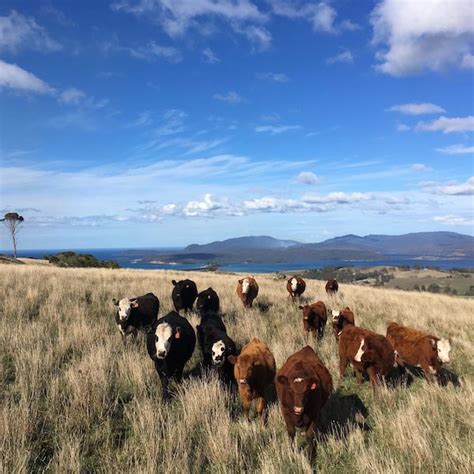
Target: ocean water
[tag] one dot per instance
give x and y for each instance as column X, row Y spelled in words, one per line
column 132, row 258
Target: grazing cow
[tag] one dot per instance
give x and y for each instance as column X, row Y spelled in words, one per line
column 340, row 319
column 135, row 314
column 216, row 346
column 418, row 349
column 254, row 371
column 247, row 290
column 367, row 351
column 332, row 287
column 207, row 302
column 170, row 345
column 184, row 295
column 295, row 286
column 314, row 318
column 303, row 386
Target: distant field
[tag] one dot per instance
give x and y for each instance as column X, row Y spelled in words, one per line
column 74, row 399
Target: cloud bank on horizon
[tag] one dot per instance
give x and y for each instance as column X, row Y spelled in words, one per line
column 157, row 122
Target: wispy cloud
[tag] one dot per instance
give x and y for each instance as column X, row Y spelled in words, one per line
column 72, row 96
column 230, row 97
column 454, row 220
column 456, row 150
column 143, row 120
column 448, row 125
column 344, row 57
column 420, row 168
column 417, row 109
column 278, row 77
column 16, row 78
column 209, row 56
column 147, row 52
column 308, row 177
column 451, row 188
column 276, row 129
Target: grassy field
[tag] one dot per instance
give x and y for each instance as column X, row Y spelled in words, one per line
column 73, row 398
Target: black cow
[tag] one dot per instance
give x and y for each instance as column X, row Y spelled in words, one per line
column 171, row 344
column 216, row 346
column 136, row 313
column 184, row 294
column 207, row 302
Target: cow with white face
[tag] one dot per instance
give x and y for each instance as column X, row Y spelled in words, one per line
column 216, row 346
column 134, row 314
column 170, row 345
column 341, row 319
column 295, row 286
column 247, row 290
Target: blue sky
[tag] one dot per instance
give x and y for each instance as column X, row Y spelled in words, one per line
column 161, row 123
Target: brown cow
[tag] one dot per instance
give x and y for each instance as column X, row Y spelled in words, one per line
column 314, row 318
column 332, row 287
column 254, row 371
column 418, row 348
column 295, row 286
column 367, row 351
column 340, row 319
column 303, row 386
column 247, row 290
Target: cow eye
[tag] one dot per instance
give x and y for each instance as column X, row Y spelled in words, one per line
column 156, row 338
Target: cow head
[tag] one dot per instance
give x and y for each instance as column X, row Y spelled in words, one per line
column 307, row 316
column 124, row 307
column 207, row 300
column 218, row 353
column 244, row 367
column 164, row 336
column 335, row 314
column 245, row 282
column 443, row 347
column 294, row 284
column 300, row 389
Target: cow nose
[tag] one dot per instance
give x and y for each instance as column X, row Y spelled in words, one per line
column 298, row 410
column 162, row 354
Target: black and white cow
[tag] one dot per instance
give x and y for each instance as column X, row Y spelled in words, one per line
column 136, row 313
column 208, row 302
column 216, row 346
column 184, row 294
column 170, row 345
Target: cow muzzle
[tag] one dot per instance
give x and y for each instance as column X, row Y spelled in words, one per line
column 298, row 410
column 161, row 354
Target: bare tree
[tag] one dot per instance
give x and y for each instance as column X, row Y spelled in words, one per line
column 12, row 221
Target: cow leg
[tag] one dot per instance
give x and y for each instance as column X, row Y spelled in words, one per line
column 342, row 365
column 178, row 375
column 429, row 376
column 246, row 407
column 164, row 386
column 372, row 373
column 309, row 436
column 320, row 330
column 261, row 408
column 290, row 428
column 358, row 375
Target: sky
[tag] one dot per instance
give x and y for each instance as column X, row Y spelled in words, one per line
column 154, row 123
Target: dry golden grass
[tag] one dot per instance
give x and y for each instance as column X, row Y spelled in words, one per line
column 74, row 399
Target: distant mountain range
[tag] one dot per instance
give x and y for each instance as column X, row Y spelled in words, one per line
column 265, row 249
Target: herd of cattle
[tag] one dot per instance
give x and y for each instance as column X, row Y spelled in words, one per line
column 303, row 383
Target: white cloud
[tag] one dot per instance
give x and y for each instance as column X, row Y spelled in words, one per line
column 420, row 168
column 19, row 32
column 454, row 220
column 276, row 129
column 468, row 61
column 153, row 50
column 417, row 109
column 71, row 96
column 456, row 150
column 209, row 56
column 401, row 127
column 448, row 125
column 144, row 119
column 416, row 36
column 308, row 177
column 14, row 77
column 344, row 57
column 259, row 36
column 273, row 77
column 231, row 97
column 451, row 188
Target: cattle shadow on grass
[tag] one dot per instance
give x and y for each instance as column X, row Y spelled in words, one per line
column 444, row 376
column 263, row 305
column 341, row 414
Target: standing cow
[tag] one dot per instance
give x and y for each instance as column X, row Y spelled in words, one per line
column 340, row 319
column 332, row 287
column 170, row 345
column 184, row 295
column 216, row 346
column 247, row 291
column 303, row 387
column 133, row 314
column 418, row 348
column 367, row 351
column 254, row 371
column 295, row 286
column 207, row 302
column 314, row 318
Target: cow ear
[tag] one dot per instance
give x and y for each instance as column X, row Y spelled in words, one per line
column 301, row 307
column 174, row 282
column 115, row 301
column 232, row 359
column 177, row 333
column 313, row 386
column 135, row 304
column 241, row 280
column 282, row 379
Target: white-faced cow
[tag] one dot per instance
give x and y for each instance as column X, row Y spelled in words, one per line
column 295, row 286
column 184, row 295
column 170, row 345
column 247, row 290
column 133, row 314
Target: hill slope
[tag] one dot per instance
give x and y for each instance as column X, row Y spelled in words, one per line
column 75, row 399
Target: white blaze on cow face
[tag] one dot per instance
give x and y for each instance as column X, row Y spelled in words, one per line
column 218, row 349
column 298, row 379
column 360, row 352
column 124, row 308
column 163, row 335
column 444, row 347
column 294, row 284
column 335, row 314
column 245, row 286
